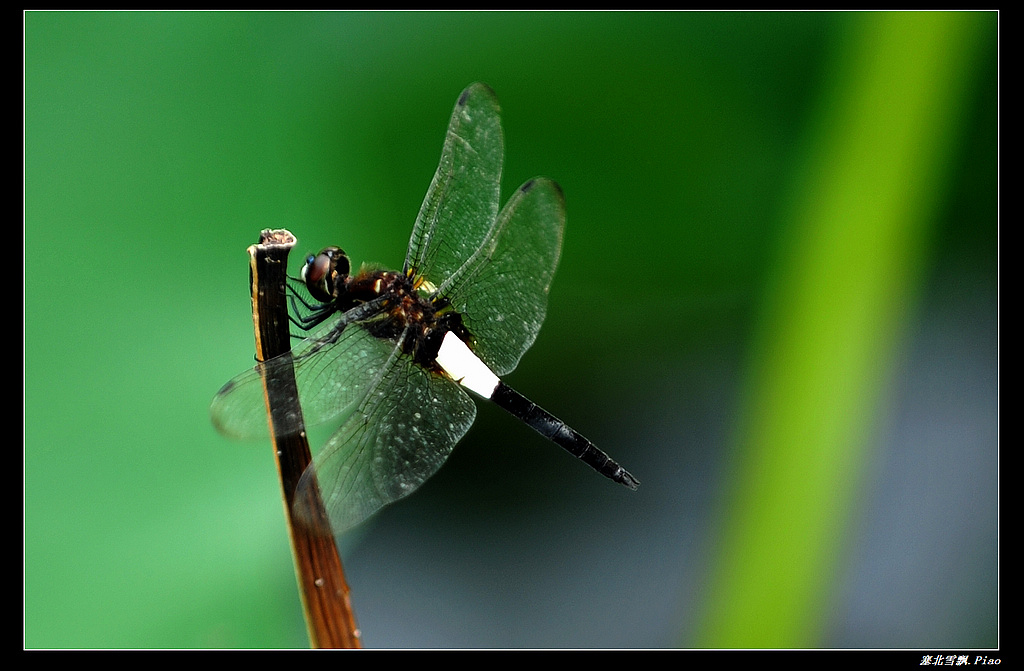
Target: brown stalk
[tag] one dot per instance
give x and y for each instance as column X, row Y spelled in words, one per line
column 330, row 620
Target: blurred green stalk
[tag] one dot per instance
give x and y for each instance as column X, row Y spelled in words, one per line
column 873, row 176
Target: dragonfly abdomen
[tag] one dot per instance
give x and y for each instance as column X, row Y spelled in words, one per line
column 560, row 433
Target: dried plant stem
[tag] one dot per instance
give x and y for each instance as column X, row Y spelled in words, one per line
column 330, row 619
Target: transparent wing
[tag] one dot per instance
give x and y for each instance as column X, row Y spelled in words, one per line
column 462, row 200
column 333, row 373
column 502, row 289
column 397, row 438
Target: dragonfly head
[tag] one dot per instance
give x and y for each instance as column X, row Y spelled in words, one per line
column 325, row 272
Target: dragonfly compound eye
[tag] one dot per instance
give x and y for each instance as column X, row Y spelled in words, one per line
column 324, row 272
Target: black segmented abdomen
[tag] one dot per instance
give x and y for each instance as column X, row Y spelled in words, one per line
column 560, row 433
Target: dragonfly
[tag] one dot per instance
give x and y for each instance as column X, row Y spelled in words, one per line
column 388, row 356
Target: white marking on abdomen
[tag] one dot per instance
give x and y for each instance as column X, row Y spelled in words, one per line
column 465, row 367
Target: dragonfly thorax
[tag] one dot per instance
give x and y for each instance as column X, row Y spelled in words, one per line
column 409, row 311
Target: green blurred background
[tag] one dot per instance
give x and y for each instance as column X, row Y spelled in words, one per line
column 777, row 305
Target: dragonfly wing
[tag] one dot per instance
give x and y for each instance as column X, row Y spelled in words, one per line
column 462, row 200
column 502, row 289
column 404, row 429
column 334, row 369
